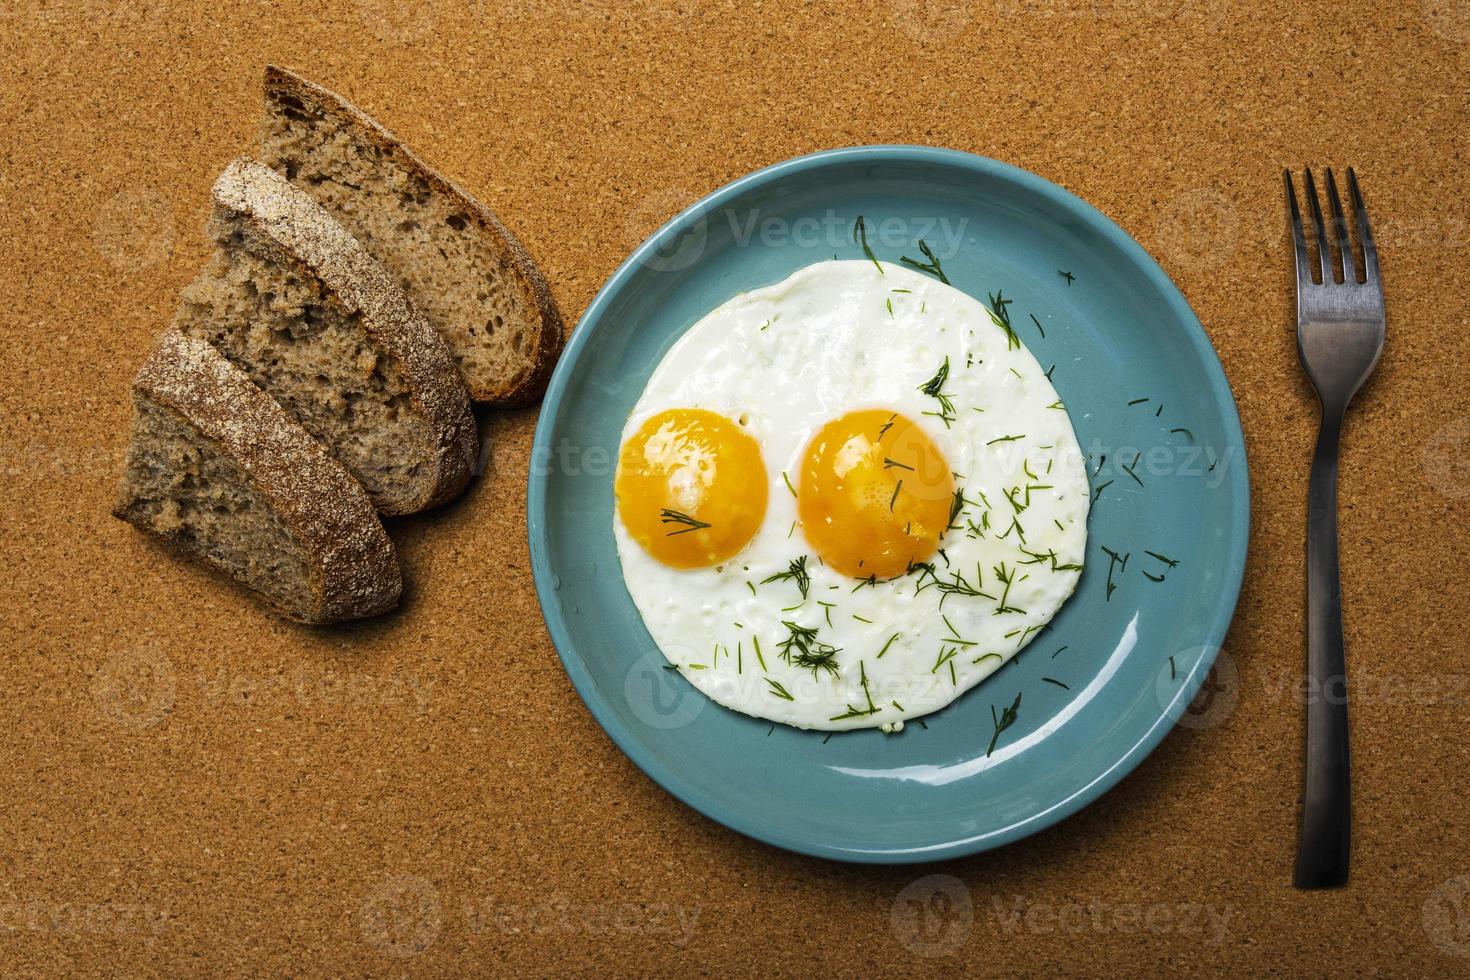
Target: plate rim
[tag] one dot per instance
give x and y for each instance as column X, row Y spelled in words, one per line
column 1177, row 305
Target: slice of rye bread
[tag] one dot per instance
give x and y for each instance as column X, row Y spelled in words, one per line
column 293, row 300
column 474, row 282
column 219, row 471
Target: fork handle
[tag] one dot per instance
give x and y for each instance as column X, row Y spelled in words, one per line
column 1322, row 853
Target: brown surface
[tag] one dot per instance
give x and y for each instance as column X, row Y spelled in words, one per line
column 192, row 784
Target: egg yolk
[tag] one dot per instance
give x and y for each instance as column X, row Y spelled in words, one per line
column 691, row 487
column 875, row 494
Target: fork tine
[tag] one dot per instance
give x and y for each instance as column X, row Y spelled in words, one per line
column 1365, row 232
column 1298, row 238
column 1340, row 231
column 1323, row 255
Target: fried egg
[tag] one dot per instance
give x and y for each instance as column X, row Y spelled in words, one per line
column 845, row 499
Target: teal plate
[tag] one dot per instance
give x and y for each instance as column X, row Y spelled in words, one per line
column 1170, row 475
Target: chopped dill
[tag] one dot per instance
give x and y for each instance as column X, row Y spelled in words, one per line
column 1129, row 468
column 956, row 505
column 1059, row 650
column 778, row 690
column 802, row 649
column 688, row 523
column 946, row 654
column 1006, row 578
column 886, row 646
column 934, row 389
column 1004, row 439
column 1036, row 486
column 932, row 266
column 957, row 584
column 1024, row 634
column 933, row 385
column 1067, row 276
column 787, row 481
column 1015, row 526
column 1114, row 560
column 1006, row 719
column 853, row 712
column 860, row 234
column 1186, row 432
column 1053, row 680
column 1038, row 326
column 954, row 634
column 1001, row 316
column 1169, row 564
column 795, row 572
column 1037, row 557
column 890, row 463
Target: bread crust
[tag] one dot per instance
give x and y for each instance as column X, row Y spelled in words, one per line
column 284, row 223
column 353, row 566
column 529, row 387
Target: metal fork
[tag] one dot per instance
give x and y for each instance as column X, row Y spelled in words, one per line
column 1339, row 333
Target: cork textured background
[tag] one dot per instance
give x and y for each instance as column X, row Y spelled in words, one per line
column 193, row 786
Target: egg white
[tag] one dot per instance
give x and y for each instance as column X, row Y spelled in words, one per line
column 833, row 338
